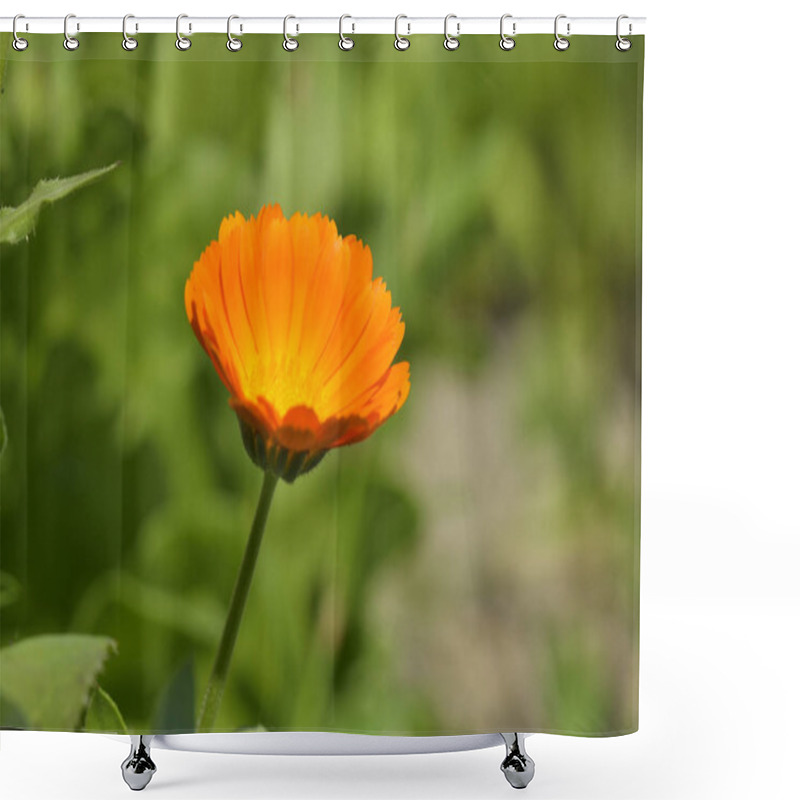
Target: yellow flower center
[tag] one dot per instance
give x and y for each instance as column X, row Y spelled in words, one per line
column 285, row 385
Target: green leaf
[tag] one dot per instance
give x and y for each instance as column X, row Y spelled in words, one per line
column 17, row 223
column 10, row 589
column 49, row 678
column 103, row 714
column 3, row 431
column 10, row 715
column 175, row 712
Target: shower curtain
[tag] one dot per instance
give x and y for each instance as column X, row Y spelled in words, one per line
column 320, row 386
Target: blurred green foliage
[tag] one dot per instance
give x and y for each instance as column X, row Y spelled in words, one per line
column 500, row 194
column 102, row 714
column 47, row 680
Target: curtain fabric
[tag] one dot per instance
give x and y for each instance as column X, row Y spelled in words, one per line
column 384, row 306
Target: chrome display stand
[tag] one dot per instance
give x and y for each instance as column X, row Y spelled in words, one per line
column 138, row 768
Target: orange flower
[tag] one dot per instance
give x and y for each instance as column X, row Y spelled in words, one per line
column 300, row 333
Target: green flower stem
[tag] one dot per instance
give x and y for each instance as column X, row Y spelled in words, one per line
column 222, row 662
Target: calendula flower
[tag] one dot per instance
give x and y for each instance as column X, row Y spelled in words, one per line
column 303, row 337
column 301, row 334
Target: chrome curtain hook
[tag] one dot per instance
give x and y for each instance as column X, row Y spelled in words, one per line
column 234, row 44
column 70, row 42
column 19, row 44
column 400, row 42
column 507, row 42
column 181, row 42
column 290, row 43
column 560, row 43
column 623, row 44
column 345, row 42
column 451, row 42
column 128, row 42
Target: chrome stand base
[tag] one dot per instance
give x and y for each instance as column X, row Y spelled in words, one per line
column 517, row 766
column 138, row 768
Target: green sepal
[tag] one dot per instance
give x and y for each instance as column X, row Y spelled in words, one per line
column 282, row 462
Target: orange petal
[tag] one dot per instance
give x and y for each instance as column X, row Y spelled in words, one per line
column 299, row 429
column 298, row 330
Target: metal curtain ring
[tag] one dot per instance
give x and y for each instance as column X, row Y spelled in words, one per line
column 451, row 42
column 560, row 43
column 70, row 42
column 290, row 44
column 400, row 42
column 19, row 44
column 345, row 42
column 128, row 42
column 623, row 44
column 234, row 44
column 181, row 42
column 506, row 42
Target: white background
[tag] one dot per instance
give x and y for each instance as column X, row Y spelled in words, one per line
column 720, row 695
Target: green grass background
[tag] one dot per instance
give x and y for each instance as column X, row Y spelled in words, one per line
column 474, row 564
